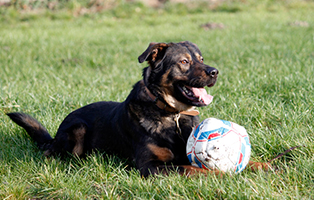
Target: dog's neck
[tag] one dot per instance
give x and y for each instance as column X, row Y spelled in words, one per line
column 160, row 104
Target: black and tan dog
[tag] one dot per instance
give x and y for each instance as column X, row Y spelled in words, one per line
column 151, row 126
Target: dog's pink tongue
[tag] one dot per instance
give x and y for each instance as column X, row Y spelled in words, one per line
column 202, row 94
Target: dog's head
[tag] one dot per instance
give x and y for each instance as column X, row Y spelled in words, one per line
column 177, row 74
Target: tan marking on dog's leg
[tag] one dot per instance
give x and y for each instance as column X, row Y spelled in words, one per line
column 78, row 136
column 255, row 166
column 188, row 170
column 163, row 154
column 193, row 171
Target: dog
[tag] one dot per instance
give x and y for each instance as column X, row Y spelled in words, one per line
column 151, row 126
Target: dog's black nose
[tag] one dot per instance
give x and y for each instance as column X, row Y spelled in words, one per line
column 212, row 72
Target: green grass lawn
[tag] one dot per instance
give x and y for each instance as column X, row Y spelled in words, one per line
column 54, row 63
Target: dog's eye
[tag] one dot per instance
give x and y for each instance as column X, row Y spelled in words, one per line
column 184, row 62
column 202, row 59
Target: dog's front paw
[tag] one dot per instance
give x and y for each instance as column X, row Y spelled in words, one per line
column 255, row 166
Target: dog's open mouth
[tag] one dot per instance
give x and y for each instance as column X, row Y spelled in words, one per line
column 196, row 96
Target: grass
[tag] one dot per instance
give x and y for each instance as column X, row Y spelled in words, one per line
column 52, row 63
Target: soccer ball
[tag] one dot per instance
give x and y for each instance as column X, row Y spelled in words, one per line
column 219, row 144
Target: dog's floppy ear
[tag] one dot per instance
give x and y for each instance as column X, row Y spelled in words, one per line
column 154, row 52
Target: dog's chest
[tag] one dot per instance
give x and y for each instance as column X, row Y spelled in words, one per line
column 168, row 127
column 158, row 124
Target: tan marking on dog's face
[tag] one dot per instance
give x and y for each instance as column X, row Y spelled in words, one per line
column 174, row 103
column 79, row 141
column 199, row 57
column 185, row 62
column 168, row 90
column 163, row 154
column 182, row 66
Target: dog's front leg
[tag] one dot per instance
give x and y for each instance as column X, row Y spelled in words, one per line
column 149, row 156
column 151, row 160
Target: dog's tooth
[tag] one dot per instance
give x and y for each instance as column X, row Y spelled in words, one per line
column 199, row 99
column 184, row 89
